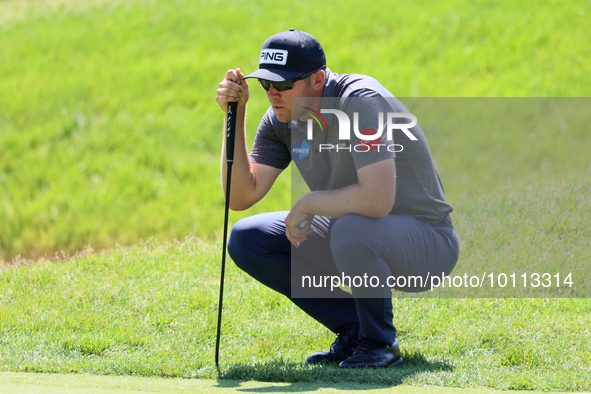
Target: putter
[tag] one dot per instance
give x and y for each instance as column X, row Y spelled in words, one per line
column 230, row 132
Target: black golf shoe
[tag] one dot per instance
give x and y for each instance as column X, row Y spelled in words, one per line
column 372, row 353
column 341, row 349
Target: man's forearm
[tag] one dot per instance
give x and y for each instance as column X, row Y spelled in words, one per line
column 242, row 176
column 372, row 196
column 352, row 199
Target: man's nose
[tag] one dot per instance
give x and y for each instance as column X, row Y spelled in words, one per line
column 273, row 91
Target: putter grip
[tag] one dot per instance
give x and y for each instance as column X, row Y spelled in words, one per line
column 231, row 131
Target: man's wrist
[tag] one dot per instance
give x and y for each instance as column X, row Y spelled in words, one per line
column 303, row 204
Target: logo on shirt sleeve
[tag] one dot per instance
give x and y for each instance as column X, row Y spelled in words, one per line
column 369, row 145
column 301, row 150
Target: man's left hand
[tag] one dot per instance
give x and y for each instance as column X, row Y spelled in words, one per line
column 293, row 231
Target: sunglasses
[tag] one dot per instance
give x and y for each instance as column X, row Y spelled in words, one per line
column 287, row 84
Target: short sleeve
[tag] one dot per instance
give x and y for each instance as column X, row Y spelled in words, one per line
column 368, row 112
column 269, row 148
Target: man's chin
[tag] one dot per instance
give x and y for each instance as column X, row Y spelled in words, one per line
column 283, row 116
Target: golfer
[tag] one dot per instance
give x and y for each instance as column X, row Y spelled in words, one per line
column 376, row 207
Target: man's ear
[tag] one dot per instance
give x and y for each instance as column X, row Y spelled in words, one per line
column 318, row 79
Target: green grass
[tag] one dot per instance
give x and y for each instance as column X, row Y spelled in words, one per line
column 150, row 310
column 86, row 383
column 110, row 133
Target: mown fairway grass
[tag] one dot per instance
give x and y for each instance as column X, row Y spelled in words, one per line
column 87, row 384
column 150, row 310
column 109, row 134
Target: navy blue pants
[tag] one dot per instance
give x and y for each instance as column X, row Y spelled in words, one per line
column 390, row 246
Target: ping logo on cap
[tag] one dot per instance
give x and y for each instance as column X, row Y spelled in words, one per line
column 273, row 56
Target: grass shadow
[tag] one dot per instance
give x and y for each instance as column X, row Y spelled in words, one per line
column 281, row 371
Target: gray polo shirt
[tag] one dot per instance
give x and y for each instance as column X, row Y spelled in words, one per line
column 328, row 160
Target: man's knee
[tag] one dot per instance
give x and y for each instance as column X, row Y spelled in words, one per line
column 253, row 239
column 239, row 245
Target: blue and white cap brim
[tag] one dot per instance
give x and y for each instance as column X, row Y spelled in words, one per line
column 273, row 75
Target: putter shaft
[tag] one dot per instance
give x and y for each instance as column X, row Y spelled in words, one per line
column 231, row 131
